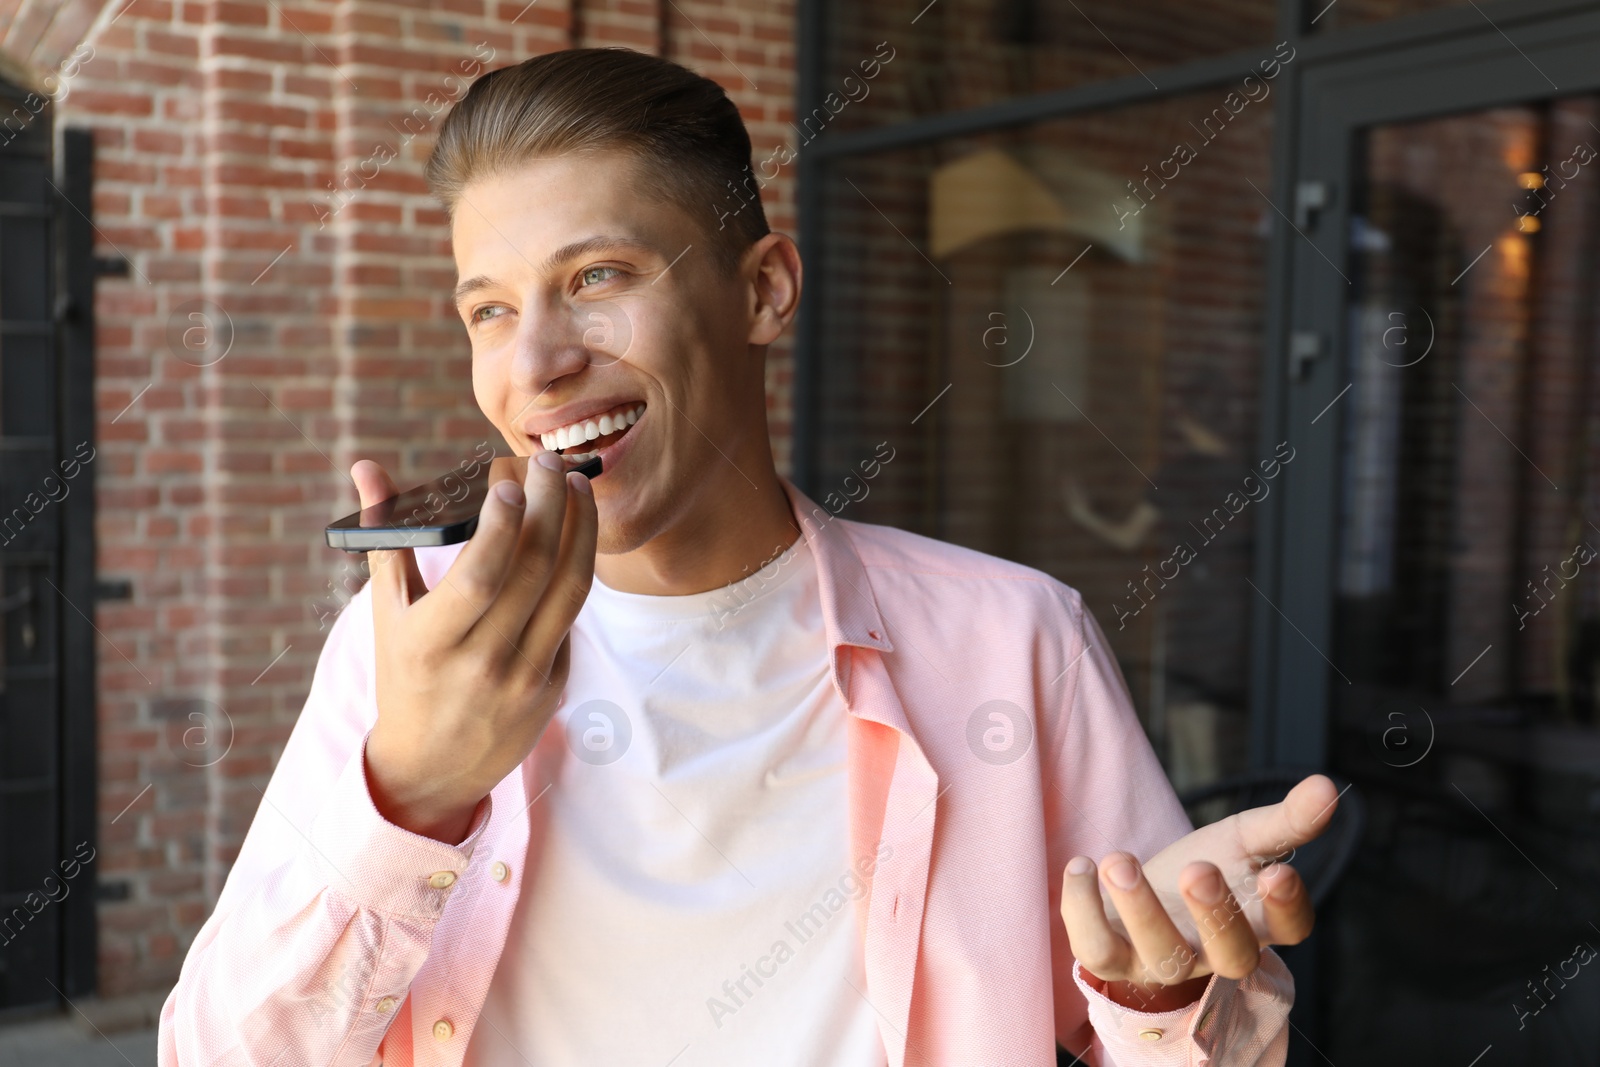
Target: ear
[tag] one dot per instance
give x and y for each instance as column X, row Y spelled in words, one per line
column 773, row 266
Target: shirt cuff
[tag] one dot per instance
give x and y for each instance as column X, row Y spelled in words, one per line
column 1148, row 1037
column 383, row 866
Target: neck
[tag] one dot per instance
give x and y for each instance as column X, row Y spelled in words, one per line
column 742, row 522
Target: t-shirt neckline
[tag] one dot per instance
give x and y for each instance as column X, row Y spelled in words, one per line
column 775, row 574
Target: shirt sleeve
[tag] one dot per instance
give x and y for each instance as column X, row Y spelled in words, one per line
column 328, row 913
column 1106, row 791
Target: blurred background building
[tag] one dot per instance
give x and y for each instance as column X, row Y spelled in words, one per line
column 1269, row 325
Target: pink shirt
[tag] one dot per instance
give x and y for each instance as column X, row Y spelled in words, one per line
column 990, row 739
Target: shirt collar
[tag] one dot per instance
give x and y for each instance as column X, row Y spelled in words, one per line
column 850, row 613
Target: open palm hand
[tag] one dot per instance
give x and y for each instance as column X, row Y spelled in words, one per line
column 1206, row 904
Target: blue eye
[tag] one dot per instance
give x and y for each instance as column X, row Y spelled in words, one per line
column 585, row 275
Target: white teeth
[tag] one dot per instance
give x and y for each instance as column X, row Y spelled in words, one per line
column 565, row 437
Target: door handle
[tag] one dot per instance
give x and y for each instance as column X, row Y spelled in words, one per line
column 16, row 600
column 22, row 598
column 1310, row 197
column 1305, row 347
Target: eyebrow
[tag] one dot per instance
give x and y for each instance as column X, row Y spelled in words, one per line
column 561, row 255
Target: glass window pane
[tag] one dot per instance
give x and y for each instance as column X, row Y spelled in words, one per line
column 901, row 59
column 1339, row 14
column 1468, row 591
column 1064, row 368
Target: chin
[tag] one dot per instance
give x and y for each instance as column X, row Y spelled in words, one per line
column 620, row 535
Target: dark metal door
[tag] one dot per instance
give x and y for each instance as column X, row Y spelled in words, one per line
column 47, row 755
column 1437, row 633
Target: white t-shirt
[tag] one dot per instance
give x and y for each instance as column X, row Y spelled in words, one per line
column 678, row 908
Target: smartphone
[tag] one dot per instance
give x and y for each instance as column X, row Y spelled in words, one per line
column 441, row 512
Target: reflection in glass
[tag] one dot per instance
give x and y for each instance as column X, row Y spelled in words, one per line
column 950, row 55
column 1468, row 595
column 1062, row 348
column 1325, row 15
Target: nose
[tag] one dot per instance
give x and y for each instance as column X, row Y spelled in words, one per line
column 549, row 345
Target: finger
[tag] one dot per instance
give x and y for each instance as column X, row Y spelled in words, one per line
column 538, row 543
column 1287, row 905
column 1227, row 941
column 396, row 579
column 1277, row 829
column 1103, row 952
column 479, row 570
column 1165, row 955
column 573, row 573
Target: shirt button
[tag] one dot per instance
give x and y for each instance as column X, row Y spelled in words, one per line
column 443, row 880
column 499, row 871
column 1150, row 1035
column 1205, row 1019
column 386, row 1005
column 442, row 1030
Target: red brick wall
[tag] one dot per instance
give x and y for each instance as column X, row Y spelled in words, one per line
column 231, row 145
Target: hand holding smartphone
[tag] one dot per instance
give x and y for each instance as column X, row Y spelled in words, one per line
column 441, row 512
column 468, row 674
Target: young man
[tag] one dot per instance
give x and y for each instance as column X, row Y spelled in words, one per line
column 676, row 767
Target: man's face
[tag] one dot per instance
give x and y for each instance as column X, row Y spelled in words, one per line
column 588, row 302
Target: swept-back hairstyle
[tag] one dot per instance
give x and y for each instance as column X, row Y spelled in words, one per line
column 690, row 145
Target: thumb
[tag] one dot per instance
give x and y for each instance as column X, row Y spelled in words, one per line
column 396, row 579
column 373, row 483
column 1300, row 817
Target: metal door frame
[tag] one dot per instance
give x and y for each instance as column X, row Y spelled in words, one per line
column 63, row 542
column 77, row 269
column 1338, row 99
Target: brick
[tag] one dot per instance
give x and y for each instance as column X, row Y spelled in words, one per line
column 212, row 501
column 253, row 111
column 249, row 81
column 108, row 102
column 172, row 44
column 227, row 12
column 272, row 49
column 151, row 10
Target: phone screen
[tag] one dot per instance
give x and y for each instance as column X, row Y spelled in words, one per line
column 441, row 512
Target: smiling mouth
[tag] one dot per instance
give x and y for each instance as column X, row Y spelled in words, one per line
column 585, row 439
